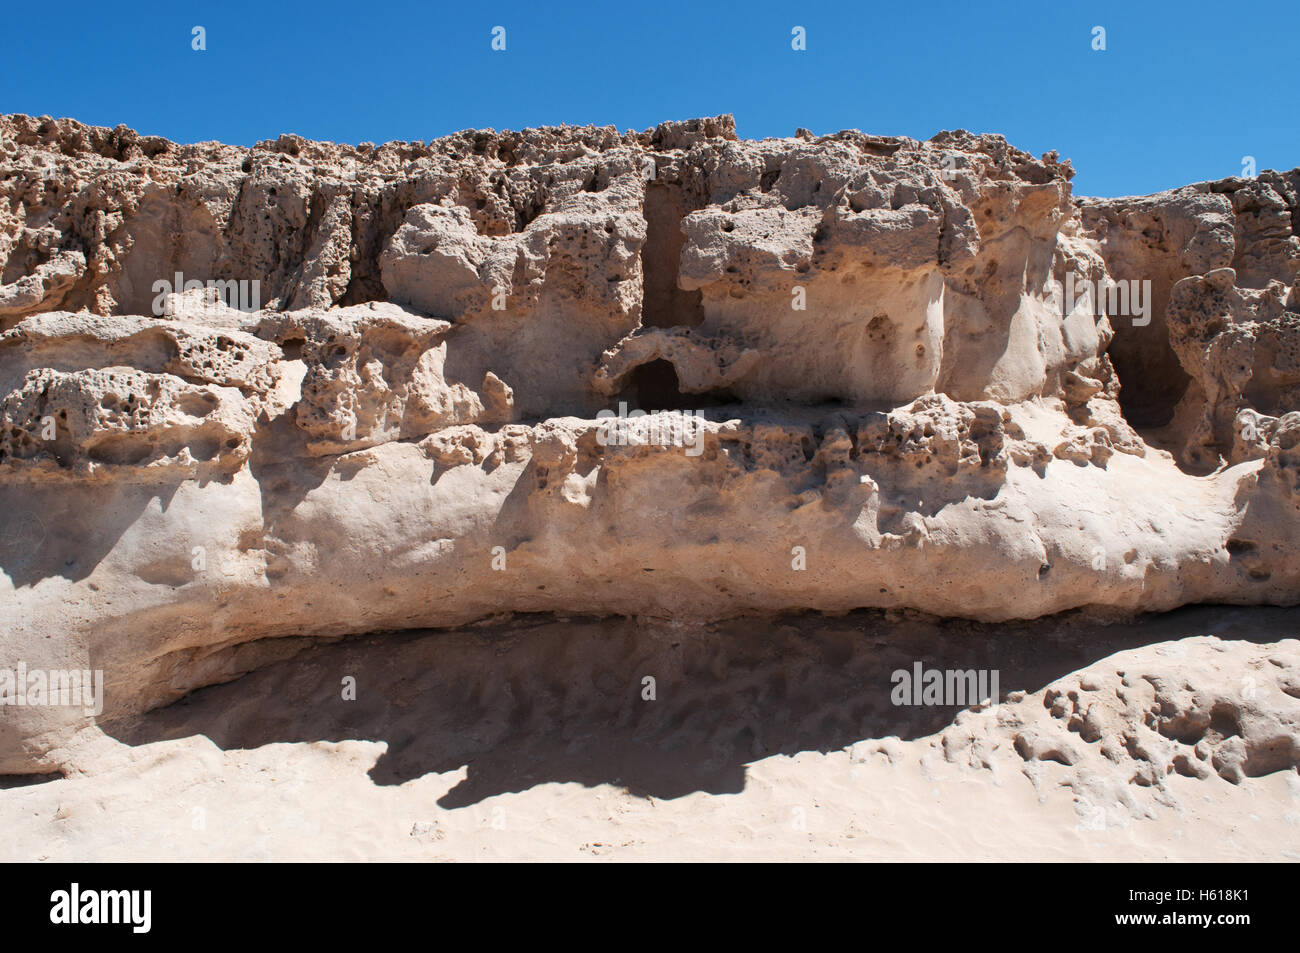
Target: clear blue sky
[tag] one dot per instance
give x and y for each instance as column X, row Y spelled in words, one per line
column 1182, row 92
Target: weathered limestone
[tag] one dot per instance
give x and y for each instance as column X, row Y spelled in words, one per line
column 895, row 404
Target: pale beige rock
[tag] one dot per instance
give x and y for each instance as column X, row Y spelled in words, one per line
column 891, row 407
column 1223, row 259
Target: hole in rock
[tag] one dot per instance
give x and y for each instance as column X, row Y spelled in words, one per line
column 1223, row 721
column 121, row 449
column 665, row 304
column 198, row 405
column 655, row 387
column 1151, row 379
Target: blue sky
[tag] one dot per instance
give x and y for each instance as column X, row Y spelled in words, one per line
column 1182, row 92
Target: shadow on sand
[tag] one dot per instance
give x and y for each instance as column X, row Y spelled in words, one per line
column 534, row 699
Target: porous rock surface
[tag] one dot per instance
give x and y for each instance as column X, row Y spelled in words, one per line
column 897, row 407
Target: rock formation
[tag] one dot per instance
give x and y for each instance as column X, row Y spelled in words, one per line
column 868, row 386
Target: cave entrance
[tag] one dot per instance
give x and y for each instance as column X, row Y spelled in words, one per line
column 1151, row 378
column 655, row 386
column 665, row 305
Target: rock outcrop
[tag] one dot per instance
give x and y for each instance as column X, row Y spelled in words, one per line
column 249, row 396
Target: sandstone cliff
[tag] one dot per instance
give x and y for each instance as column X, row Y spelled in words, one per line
column 892, row 398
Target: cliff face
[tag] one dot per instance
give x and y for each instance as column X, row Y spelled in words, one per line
column 880, row 386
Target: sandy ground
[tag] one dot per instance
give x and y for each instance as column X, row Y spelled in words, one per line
column 532, row 738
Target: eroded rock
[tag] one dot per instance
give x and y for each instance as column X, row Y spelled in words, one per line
column 842, row 371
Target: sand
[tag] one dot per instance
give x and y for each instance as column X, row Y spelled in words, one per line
column 529, row 738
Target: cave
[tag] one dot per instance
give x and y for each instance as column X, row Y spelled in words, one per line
column 654, row 386
column 1151, row 379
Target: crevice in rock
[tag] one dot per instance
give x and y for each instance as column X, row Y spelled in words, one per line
column 1152, row 380
column 665, row 304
